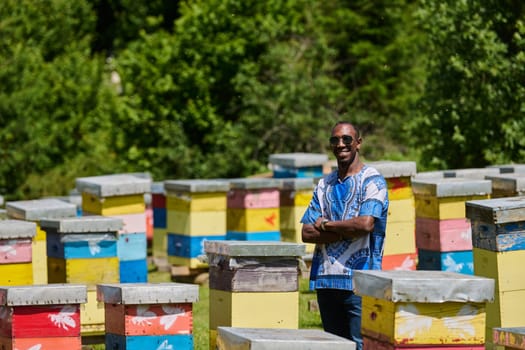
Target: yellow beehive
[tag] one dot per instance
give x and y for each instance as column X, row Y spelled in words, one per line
column 423, row 308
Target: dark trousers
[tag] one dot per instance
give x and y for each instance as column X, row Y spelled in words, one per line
column 341, row 313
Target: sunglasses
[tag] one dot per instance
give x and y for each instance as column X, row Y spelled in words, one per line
column 347, row 140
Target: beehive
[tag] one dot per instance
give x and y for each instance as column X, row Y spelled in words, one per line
column 84, row 250
column 499, row 241
column 400, row 241
column 44, row 317
column 443, row 231
column 423, row 308
column 121, row 196
column 297, row 165
column 250, row 278
column 196, row 212
column 253, row 210
column 148, row 315
column 35, row 210
column 16, row 257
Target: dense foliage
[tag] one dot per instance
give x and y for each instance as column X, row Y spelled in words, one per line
column 211, row 88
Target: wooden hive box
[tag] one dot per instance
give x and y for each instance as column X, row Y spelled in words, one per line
column 507, row 185
column 440, row 203
column 253, row 284
column 238, row 338
column 121, row 196
column 158, row 204
column 148, row 315
column 16, row 252
column 297, row 165
column 499, row 242
column 44, row 317
column 254, row 193
column 400, row 241
column 443, row 199
column 196, row 212
column 398, row 175
column 113, row 194
column 423, row 308
column 35, row 210
column 294, row 198
column 509, row 338
column 196, row 195
column 82, row 249
column 253, row 212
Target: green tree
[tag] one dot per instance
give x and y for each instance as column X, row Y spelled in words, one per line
column 236, row 82
column 55, row 106
column 379, row 61
column 472, row 112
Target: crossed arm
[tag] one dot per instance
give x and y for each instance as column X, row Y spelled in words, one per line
column 337, row 230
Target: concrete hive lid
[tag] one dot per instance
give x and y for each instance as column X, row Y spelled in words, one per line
column 49, row 294
column 254, row 248
column 423, row 286
column 11, row 229
column 197, row 185
column 84, row 224
column 255, row 183
column 474, row 173
column 37, row 209
column 391, row 169
column 451, row 187
column 113, row 185
column 298, row 184
column 147, row 293
column 298, row 159
column 279, row 338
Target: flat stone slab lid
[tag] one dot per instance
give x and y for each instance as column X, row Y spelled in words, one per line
column 391, row 169
column 113, row 185
column 147, row 293
column 37, row 209
column 279, row 338
column 255, row 183
column 84, row 224
column 12, row 229
column 158, row 188
column 475, row 173
column 423, row 286
column 509, row 168
column 451, row 187
column 254, row 248
column 299, row 183
column 496, row 210
column 45, row 294
column 298, row 160
column 198, row 185
column 435, row 174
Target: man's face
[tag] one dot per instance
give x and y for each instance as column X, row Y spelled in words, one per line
column 344, row 143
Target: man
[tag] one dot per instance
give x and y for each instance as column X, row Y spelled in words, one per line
column 346, row 219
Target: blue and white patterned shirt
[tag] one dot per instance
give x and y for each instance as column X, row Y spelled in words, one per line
column 364, row 193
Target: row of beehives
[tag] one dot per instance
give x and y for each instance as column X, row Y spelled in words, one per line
column 137, row 316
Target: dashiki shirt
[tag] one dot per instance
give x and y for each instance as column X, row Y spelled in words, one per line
column 364, row 193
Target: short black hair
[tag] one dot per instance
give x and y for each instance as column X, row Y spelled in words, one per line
column 344, row 122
